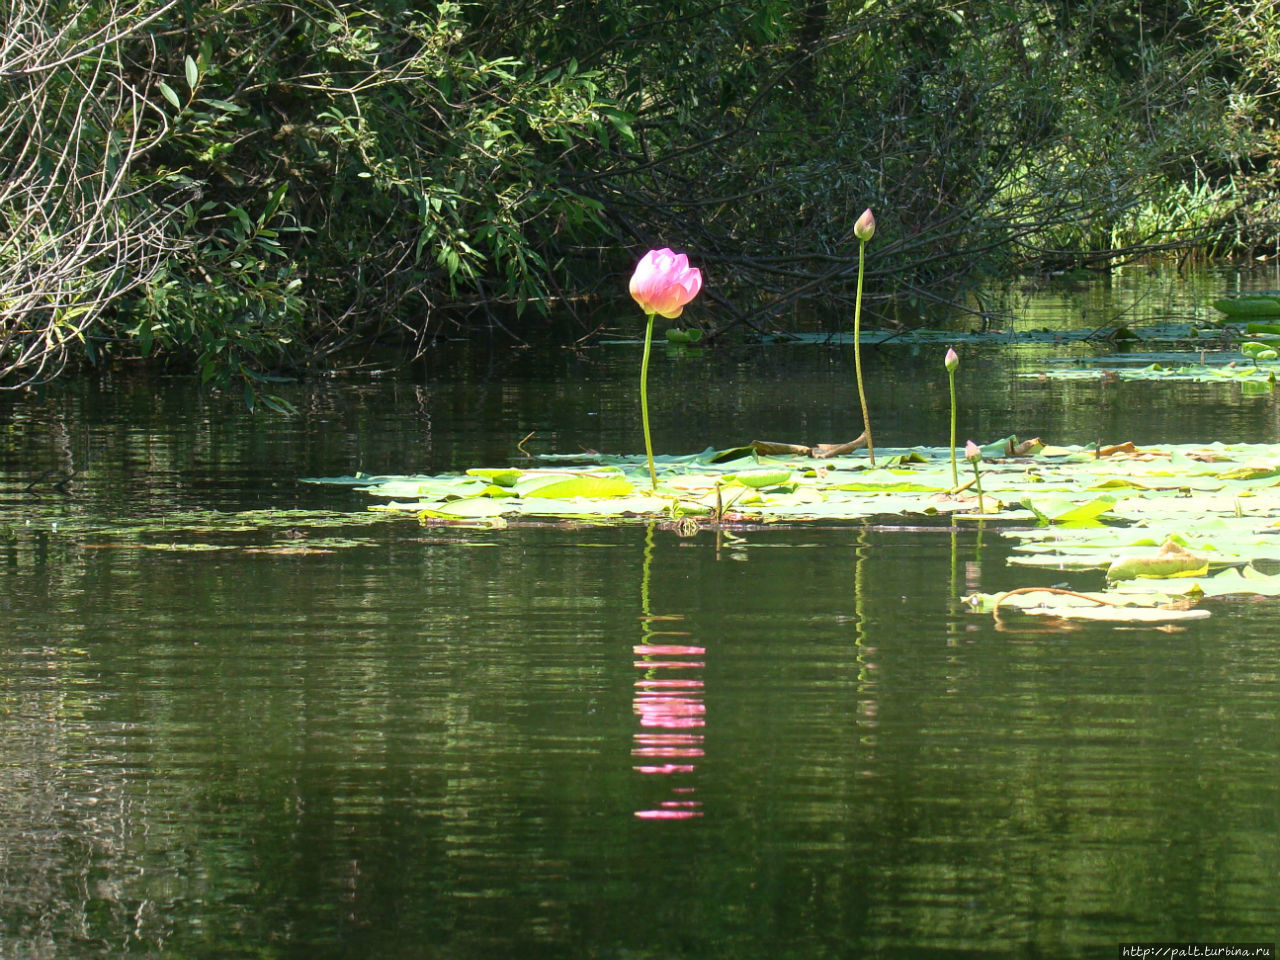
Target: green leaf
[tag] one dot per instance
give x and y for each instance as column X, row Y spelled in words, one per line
column 999, row 449
column 167, row 92
column 224, row 105
column 469, row 508
column 1248, row 306
column 733, row 453
column 1171, row 561
column 1170, row 490
column 1061, row 510
column 683, row 336
column 502, row 477
column 759, row 479
column 192, row 72
column 1260, row 352
column 569, row 487
column 1250, row 471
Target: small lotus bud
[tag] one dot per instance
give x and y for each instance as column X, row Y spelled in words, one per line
column 972, row 452
column 952, row 360
column 865, row 228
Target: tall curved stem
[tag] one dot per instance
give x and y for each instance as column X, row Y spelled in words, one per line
column 955, row 477
column 644, row 402
column 857, row 352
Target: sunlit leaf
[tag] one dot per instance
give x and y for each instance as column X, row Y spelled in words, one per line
column 502, row 477
column 1259, row 352
column 1167, row 489
column 1171, row 560
column 568, row 487
column 1248, row 306
column 763, row 478
column 1251, row 471
column 1057, row 510
column 476, row 507
column 169, row 94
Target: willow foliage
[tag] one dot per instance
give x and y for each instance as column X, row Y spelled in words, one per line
column 252, row 187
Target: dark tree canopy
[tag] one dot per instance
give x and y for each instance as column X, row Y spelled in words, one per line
column 252, row 187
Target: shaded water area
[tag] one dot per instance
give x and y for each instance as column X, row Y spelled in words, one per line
column 230, row 730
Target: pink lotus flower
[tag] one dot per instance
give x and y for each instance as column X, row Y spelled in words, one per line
column 951, row 360
column 664, row 282
column 972, row 452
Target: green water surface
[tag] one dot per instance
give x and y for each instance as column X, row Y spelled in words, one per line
column 229, row 730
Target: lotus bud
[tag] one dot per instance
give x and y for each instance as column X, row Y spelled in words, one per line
column 972, row 452
column 952, row 360
column 865, row 228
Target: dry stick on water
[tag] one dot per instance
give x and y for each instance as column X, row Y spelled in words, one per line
column 995, row 606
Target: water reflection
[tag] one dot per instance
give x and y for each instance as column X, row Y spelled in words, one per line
column 868, row 676
column 668, row 702
column 435, row 744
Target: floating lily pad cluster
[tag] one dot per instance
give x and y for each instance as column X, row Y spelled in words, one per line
column 1198, row 520
column 1241, row 347
column 1253, row 367
column 1029, row 482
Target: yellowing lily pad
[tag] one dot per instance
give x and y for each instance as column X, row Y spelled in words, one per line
column 1123, row 614
column 1067, row 511
column 760, row 479
column 1171, row 560
column 1146, row 608
column 500, row 477
column 568, row 487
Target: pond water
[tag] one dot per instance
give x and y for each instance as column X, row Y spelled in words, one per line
column 230, row 730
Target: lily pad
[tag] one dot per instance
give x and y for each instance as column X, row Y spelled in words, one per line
column 1066, row 510
column 763, row 478
column 1248, row 306
column 676, row 335
column 567, row 487
column 1145, row 608
column 1168, row 489
column 1171, row 560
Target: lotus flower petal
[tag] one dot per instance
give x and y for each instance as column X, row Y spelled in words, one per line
column 664, row 282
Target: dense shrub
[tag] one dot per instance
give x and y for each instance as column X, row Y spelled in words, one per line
column 250, row 188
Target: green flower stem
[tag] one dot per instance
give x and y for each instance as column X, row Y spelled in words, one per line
column 955, row 477
column 644, row 401
column 977, row 480
column 857, row 352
